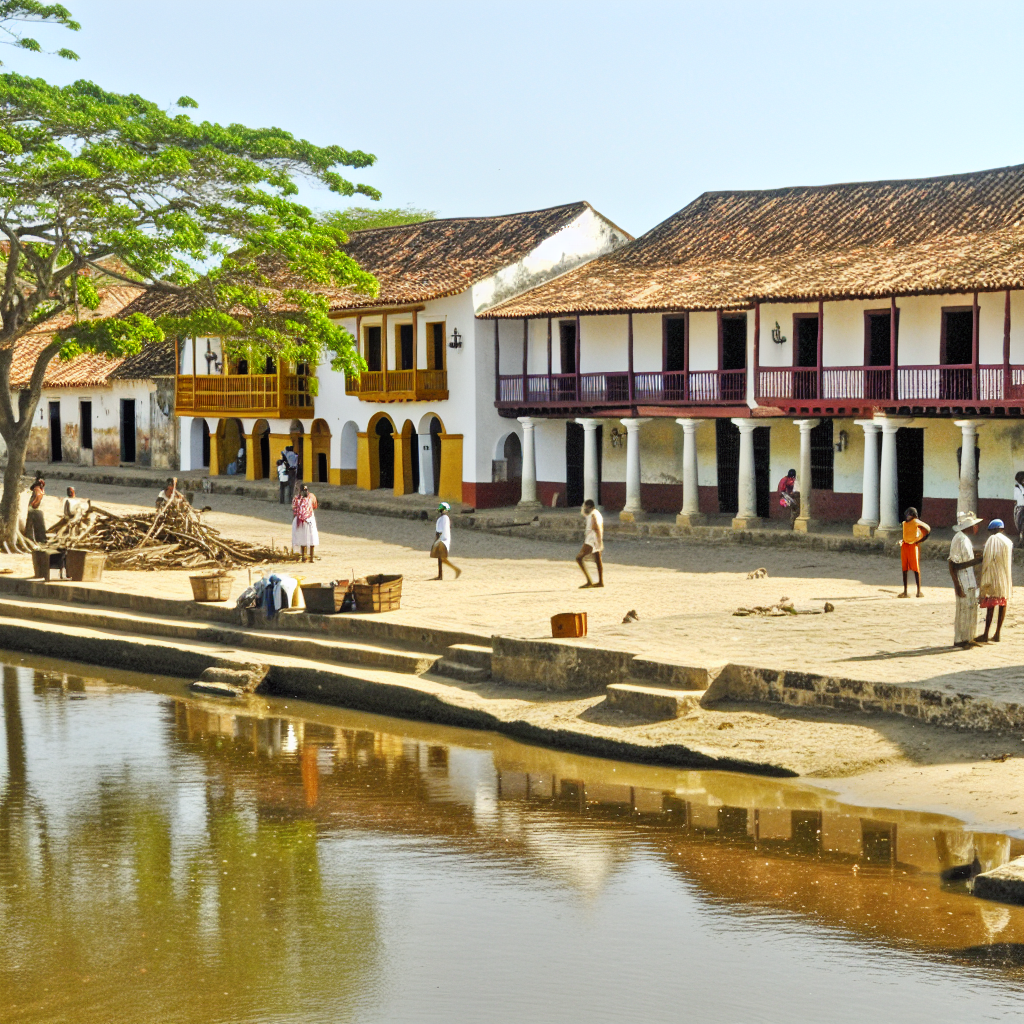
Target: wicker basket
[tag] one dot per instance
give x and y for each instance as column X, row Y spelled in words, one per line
column 378, row 593
column 215, row 587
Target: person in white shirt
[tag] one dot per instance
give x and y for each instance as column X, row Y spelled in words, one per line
column 443, row 541
column 75, row 508
column 283, row 482
column 1018, row 503
column 996, row 579
column 962, row 559
column 593, row 544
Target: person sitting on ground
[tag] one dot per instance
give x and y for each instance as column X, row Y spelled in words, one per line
column 35, row 524
column 593, row 544
column 1018, row 503
column 914, row 532
column 996, row 578
column 962, row 560
column 443, row 541
column 785, row 489
column 304, row 531
column 170, row 494
column 75, row 508
column 282, row 481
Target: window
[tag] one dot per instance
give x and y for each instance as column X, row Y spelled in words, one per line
column 675, row 343
column 435, row 346
column 734, row 341
column 405, row 353
column 823, row 454
column 567, row 344
column 371, row 349
column 805, row 339
column 957, row 348
column 876, row 337
column 270, row 366
column 85, row 424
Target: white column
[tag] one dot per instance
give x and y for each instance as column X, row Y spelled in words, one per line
column 868, row 522
column 967, row 499
column 186, row 456
column 746, row 513
column 529, row 492
column 633, row 510
column 590, row 484
column 804, row 521
column 690, row 514
column 426, row 456
column 889, row 517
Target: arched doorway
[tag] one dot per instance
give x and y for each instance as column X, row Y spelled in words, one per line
column 230, row 437
column 261, row 450
column 320, row 444
column 297, row 432
column 436, row 430
column 349, row 450
column 199, row 444
column 384, row 430
column 410, row 457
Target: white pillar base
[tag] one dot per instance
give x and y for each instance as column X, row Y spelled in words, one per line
column 529, row 477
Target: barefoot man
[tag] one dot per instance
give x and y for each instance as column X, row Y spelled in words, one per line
column 914, row 532
column 593, row 544
column 996, row 578
column 962, row 561
column 443, row 541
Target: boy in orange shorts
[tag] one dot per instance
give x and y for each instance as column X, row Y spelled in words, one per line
column 914, row 532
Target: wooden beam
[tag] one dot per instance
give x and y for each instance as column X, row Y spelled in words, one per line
column 974, row 348
column 757, row 349
column 526, row 350
column 549, row 346
column 384, row 348
column 415, row 346
column 821, row 347
column 686, row 357
column 578, row 357
column 1007, row 382
column 892, row 349
column 497, row 364
column 629, row 361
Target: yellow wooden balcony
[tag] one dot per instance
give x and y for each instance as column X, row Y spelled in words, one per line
column 277, row 395
column 399, row 386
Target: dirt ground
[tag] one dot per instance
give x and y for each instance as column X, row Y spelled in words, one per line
column 685, row 596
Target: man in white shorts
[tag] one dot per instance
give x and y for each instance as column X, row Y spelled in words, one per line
column 593, row 544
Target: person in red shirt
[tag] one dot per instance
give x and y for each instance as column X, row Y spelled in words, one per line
column 785, row 489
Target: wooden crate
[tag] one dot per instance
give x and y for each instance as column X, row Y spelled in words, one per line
column 323, row 599
column 211, row 587
column 569, row 624
column 84, row 566
column 378, row 593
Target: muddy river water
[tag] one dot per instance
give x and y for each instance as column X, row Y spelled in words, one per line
column 166, row 859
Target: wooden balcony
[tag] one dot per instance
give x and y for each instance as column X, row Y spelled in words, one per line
column 399, row 386
column 272, row 395
column 877, row 387
column 612, row 390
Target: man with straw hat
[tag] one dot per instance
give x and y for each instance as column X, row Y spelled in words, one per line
column 962, row 560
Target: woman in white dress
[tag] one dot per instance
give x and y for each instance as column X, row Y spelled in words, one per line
column 304, row 532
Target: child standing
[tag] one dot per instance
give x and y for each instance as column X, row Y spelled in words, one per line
column 914, row 532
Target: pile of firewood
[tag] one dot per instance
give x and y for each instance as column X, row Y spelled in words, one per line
column 175, row 537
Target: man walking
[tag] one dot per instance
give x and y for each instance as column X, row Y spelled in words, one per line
column 293, row 469
column 593, row 544
column 914, row 533
column 996, row 578
column 962, row 560
column 282, row 481
column 443, row 541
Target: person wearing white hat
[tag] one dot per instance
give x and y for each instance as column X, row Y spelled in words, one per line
column 962, row 560
column 443, row 541
column 996, row 579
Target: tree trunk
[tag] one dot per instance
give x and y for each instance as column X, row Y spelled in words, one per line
column 10, row 536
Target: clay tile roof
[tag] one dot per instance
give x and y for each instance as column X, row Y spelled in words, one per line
column 152, row 361
column 428, row 260
column 82, row 371
column 948, row 234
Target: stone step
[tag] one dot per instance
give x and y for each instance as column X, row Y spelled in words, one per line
column 652, row 701
column 673, row 675
column 217, row 689
column 246, row 677
column 451, row 669
column 470, row 654
column 1005, row 884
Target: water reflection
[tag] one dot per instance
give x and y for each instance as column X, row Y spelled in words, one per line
column 167, row 858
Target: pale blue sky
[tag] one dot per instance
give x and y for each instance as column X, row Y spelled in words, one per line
column 486, row 108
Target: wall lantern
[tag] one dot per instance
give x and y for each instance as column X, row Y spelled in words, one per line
column 456, row 341
column 617, row 437
column 777, row 336
column 843, row 442
column 211, row 358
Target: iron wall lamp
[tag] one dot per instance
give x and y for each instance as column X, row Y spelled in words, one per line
column 777, row 336
column 456, row 341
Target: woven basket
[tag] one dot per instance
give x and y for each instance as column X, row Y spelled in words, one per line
column 378, row 593
column 216, row 587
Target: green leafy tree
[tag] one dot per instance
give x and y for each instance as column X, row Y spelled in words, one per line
column 202, row 216
column 14, row 13
column 359, row 218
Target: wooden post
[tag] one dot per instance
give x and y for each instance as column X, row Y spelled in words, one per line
column 549, row 347
column 497, row 364
column 384, row 348
column 629, row 362
column 193, row 373
column 415, row 366
column 974, row 348
column 821, row 334
column 577, row 357
column 757, row 349
column 686, row 357
column 359, row 348
column 526, row 350
column 893, row 390
column 1007, row 382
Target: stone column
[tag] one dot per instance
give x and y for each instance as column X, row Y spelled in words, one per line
column 889, row 512
column 590, row 485
column 529, row 491
column 633, row 510
column 425, row 454
column 690, row 514
column 868, row 522
column 967, row 499
column 805, row 522
column 746, row 513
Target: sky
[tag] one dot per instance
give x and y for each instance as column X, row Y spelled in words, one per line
column 492, row 107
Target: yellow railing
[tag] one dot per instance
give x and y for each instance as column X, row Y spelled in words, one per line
column 399, row 385
column 243, row 394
